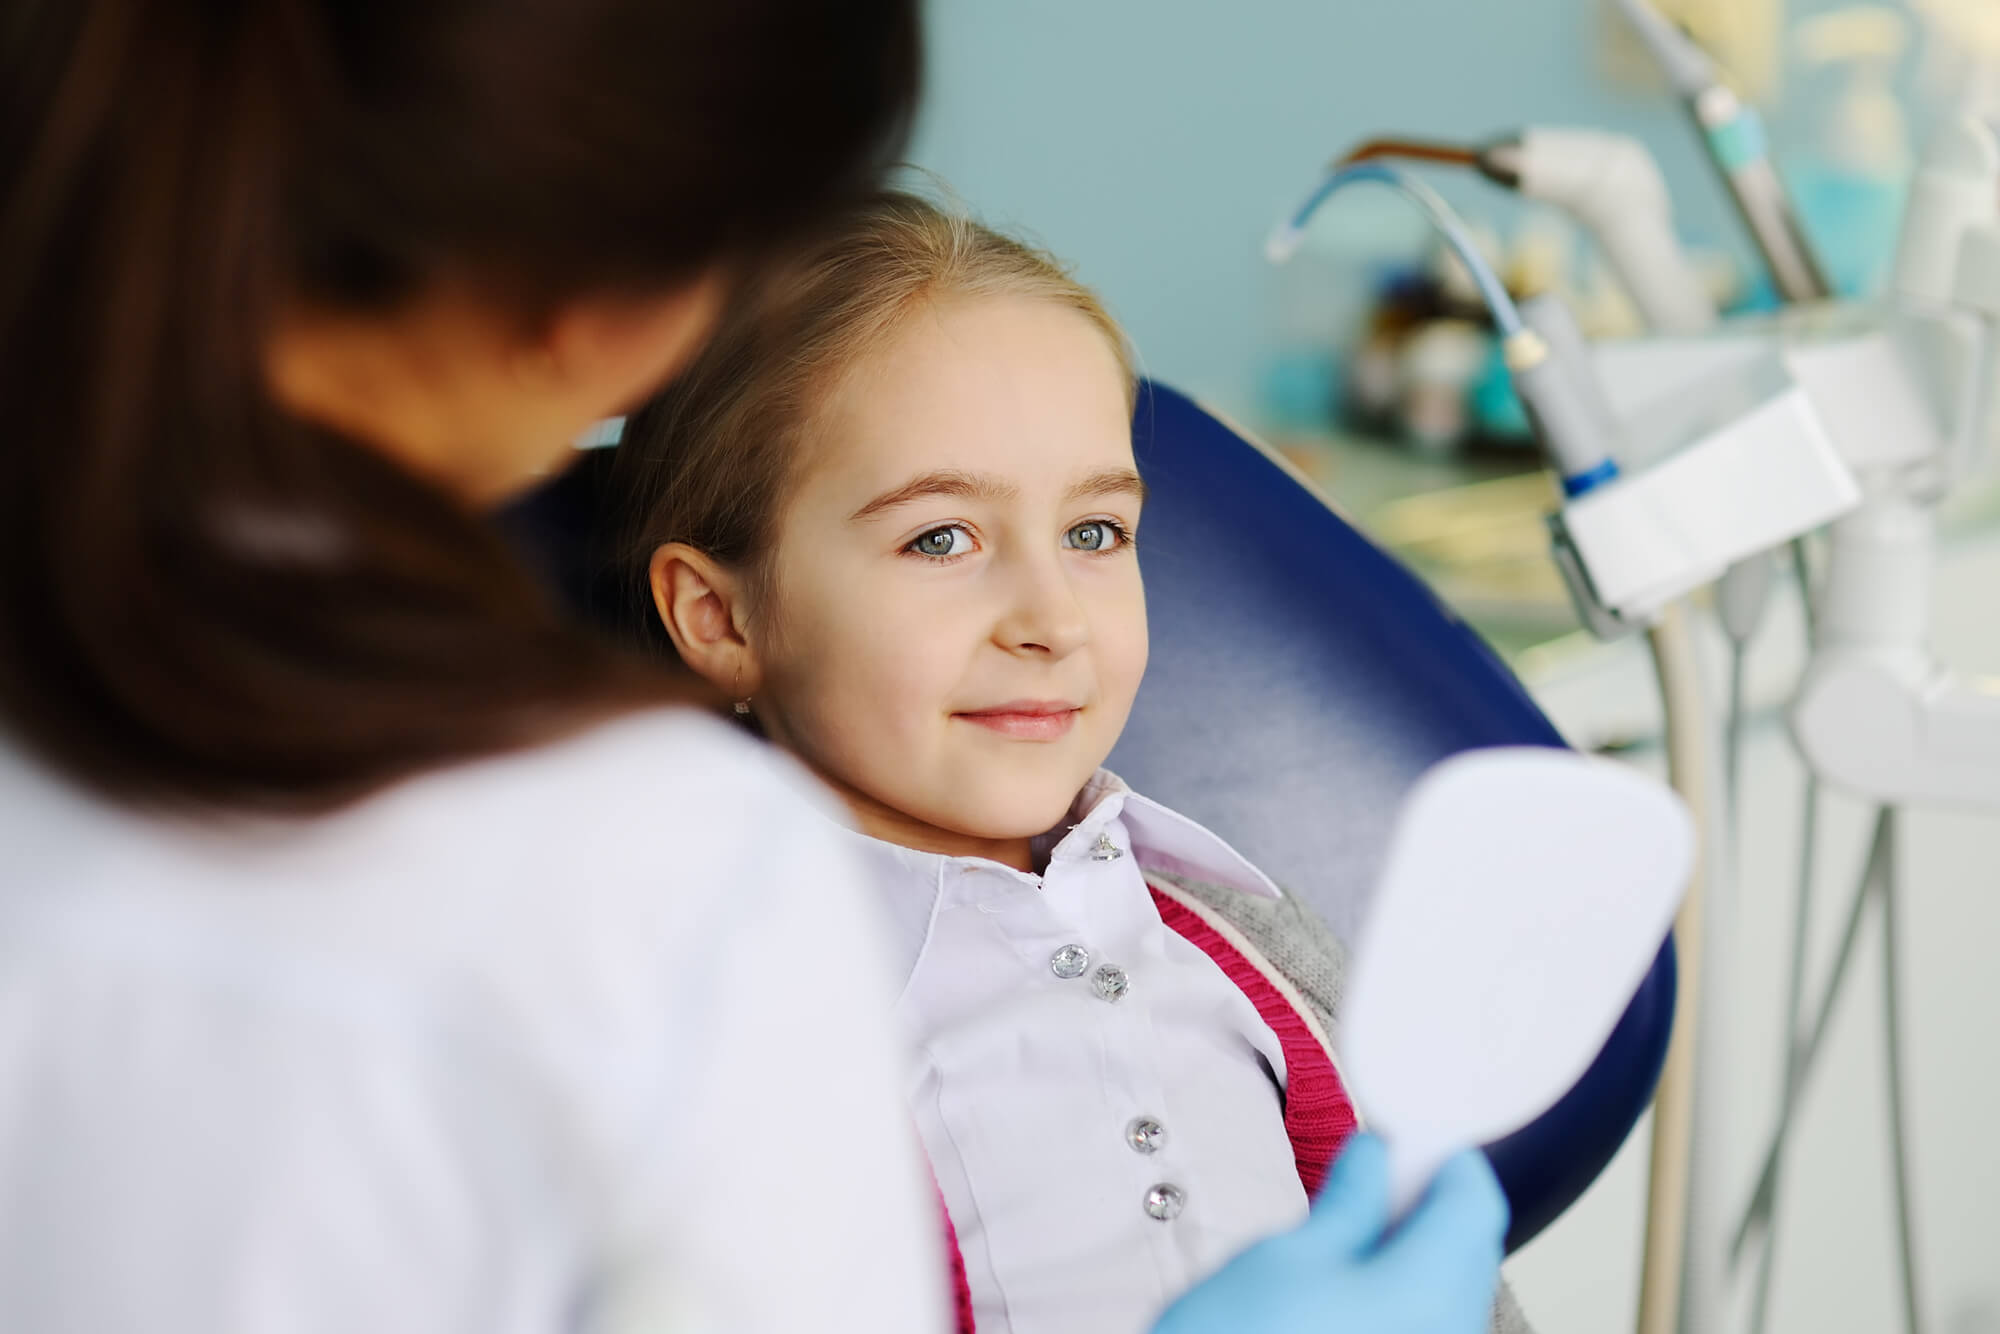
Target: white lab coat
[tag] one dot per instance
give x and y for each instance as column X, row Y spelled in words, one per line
column 590, row 1037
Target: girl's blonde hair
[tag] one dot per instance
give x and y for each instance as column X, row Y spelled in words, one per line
column 707, row 462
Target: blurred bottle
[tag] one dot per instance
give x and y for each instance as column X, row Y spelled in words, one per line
column 1850, row 184
column 1441, row 364
column 1319, row 307
column 1961, row 66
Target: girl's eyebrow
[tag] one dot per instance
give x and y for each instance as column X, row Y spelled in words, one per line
column 983, row 486
column 1109, row 482
column 943, row 482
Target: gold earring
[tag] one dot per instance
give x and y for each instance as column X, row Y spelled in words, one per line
column 742, row 706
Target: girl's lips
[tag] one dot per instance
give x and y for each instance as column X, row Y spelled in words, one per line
column 1026, row 720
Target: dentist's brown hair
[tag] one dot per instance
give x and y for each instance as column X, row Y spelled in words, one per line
column 207, row 603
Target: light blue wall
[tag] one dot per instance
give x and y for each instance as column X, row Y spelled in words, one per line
column 1153, row 142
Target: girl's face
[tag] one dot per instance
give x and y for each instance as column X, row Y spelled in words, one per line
column 955, row 626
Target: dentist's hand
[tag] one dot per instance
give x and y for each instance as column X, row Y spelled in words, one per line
column 1337, row 1272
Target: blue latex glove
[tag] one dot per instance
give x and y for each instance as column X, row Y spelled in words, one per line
column 1338, row 1274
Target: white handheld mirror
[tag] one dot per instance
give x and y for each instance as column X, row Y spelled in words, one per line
column 1525, row 894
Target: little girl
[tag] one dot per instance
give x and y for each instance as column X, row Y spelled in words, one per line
column 894, row 512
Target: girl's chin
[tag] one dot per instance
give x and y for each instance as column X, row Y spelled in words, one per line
column 1006, row 806
column 1016, row 820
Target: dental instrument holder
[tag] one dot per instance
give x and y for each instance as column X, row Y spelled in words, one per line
column 1877, row 712
column 1904, row 400
column 1904, row 395
column 1716, row 472
column 1712, row 472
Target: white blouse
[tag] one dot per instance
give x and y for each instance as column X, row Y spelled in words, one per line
column 586, row 1038
column 1100, row 1103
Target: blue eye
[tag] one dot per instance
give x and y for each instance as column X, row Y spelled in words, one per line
column 1094, row 535
column 950, row 540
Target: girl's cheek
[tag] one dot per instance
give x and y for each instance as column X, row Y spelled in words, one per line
column 1126, row 655
column 1120, row 613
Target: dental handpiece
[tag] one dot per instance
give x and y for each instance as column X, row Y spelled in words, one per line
column 1610, row 184
column 1734, row 136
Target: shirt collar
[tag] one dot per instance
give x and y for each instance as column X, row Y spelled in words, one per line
column 909, row 883
column 1161, row 838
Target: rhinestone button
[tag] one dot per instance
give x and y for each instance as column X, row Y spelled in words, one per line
column 1146, row 1135
column 1104, row 850
column 1165, row 1202
column 1110, row 982
column 1069, row 962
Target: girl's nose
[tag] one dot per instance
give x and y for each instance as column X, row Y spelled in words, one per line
column 1043, row 615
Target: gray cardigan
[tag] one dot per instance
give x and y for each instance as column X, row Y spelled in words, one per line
column 1304, row 950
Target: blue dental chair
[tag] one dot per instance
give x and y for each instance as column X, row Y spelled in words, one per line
column 1301, row 680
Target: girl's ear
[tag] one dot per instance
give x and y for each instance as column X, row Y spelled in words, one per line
column 700, row 601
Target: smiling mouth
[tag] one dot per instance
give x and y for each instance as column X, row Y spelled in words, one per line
column 1026, row 720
